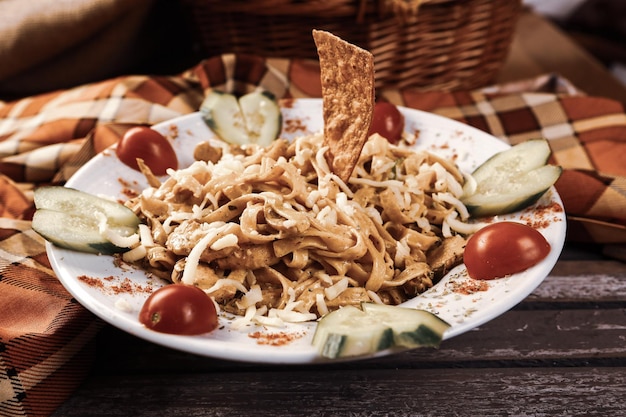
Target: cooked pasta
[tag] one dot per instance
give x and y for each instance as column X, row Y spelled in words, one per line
column 273, row 235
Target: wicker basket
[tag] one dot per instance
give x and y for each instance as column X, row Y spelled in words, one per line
column 439, row 45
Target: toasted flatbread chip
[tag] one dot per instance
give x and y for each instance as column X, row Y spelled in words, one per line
column 347, row 76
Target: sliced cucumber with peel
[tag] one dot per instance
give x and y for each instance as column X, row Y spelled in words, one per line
column 253, row 118
column 511, row 180
column 411, row 327
column 75, row 220
column 350, row 331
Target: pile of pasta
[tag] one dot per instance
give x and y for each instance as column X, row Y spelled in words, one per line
column 272, row 235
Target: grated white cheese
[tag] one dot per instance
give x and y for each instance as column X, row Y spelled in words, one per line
column 454, row 187
column 441, row 173
column 251, row 297
column 114, row 236
column 214, row 230
column 460, row 227
column 224, row 282
column 244, row 320
column 122, row 304
column 312, row 198
column 402, row 251
column 446, row 230
column 117, row 239
column 228, row 165
column 291, row 316
column 423, row 224
column 268, row 321
column 135, row 254
column 145, row 235
column 327, row 216
column 374, row 214
column 375, row 298
column 320, row 304
column 227, row 241
column 325, row 278
column 335, row 290
column 344, row 205
column 453, row 201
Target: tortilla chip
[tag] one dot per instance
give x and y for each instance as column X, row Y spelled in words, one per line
column 347, row 76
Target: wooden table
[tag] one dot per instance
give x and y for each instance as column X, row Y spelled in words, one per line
column 561, row 352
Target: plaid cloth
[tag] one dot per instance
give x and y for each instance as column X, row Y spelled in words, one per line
column 44, row 139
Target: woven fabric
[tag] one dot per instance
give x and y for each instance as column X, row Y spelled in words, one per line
column 45, row 334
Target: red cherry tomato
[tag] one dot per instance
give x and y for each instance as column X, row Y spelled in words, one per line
column 387, row 121
column 151, row 146
column 179, row 309
column 502, row 249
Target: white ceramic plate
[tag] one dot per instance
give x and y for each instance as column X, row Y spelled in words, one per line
column 116, row 293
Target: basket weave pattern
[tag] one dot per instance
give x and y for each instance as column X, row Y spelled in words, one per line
column 446, row 45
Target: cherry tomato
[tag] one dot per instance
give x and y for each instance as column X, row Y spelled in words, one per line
column 502, row 249
column 179, row 309
column 387, row 121
column 151, row 146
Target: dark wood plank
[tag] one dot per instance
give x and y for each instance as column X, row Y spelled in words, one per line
column 559, row 352
column 600, row 282
column 517, row 338
column 359, row 392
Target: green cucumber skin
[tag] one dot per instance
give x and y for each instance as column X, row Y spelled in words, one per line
column 532, row 157
column 232, row 134
column 66, row 218
column 345, row 333
column 215, row 102
column 73, row 201
column 43, row 223
column 423, row 336
column 339, row 345
column 333, row 346
column 427, row 333
column 478, row 206
column 102, row 248
column 484, row 210
column 269, row 95
column 540, row 152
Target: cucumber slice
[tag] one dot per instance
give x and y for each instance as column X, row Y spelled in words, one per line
column 351, row 331
column 71, row 219
column 511, row 180
column 263, row 117
column 253, row 118
column 411, row 327
column 72, row 201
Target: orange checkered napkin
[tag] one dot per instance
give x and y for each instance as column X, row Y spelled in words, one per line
column 45, row 335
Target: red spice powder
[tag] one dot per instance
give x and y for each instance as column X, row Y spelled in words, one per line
column 129, row 189
column 541, row 216
column 294, row 125
column 470, row 287
column 287, row 103
column 172, row 131
column 274, row 339
column 125, row 286
column 91, row 281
